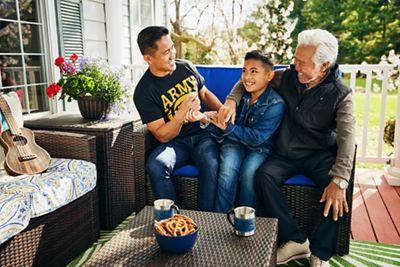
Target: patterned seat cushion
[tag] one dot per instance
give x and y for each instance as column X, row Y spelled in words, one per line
column 64, row 181
column 14, row 214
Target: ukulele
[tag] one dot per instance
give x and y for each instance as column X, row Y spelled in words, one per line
column 23, row 155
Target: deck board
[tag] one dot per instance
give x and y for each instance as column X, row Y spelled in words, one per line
column 376, row 213
column 390, row 198
column 361, row 228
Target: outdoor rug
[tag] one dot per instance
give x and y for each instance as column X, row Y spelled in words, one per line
column 362, row 253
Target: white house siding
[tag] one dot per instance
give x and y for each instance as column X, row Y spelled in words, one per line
column 94, row 24
column 111, row 27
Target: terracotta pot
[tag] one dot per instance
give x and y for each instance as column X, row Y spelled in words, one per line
column 93, row 107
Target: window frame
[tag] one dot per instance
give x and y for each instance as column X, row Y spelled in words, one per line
column 43, row 22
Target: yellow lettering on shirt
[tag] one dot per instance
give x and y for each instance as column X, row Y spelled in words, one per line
column 175, row 95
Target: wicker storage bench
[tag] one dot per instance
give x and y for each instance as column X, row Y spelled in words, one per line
column 114, row 161
column 58, row 237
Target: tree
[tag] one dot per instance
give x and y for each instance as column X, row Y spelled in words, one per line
column 229, row 38
column 180, row 33
column 366, row 29
column 270, row 29
column 214, row 38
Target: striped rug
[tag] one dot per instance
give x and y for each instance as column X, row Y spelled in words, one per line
column 362, row 253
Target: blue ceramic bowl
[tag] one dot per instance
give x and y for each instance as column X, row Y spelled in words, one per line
column 176, row 244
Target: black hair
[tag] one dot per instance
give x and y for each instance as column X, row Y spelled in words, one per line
column 148, row 37
column 263, row 57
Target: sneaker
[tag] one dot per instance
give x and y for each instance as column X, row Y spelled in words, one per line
column 291, row 250
column 317, row 262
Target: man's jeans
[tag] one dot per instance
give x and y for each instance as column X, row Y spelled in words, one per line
column 200, row 150
column 238, row 163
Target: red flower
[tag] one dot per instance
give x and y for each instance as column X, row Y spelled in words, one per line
column 59, row 61
column 53, row 89
column 73, row 57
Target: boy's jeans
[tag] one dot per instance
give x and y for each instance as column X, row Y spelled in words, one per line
column 200, row 150
column 238, row 163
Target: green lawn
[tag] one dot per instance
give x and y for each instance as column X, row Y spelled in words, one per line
column 373, row 121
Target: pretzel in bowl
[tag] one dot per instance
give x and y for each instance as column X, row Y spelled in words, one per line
column 178, row 225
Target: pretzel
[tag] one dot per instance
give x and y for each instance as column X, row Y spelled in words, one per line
column 178, row 225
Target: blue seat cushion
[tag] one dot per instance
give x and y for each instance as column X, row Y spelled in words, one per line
column 186, row 171
column 191, row 171
column 300, row 180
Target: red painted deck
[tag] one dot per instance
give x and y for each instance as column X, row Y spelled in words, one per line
column 376, row 208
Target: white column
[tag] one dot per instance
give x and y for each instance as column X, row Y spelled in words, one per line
column 51, row 48
column 114, row 28
column 392, row 173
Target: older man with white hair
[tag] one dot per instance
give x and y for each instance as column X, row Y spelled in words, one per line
column 316, row 138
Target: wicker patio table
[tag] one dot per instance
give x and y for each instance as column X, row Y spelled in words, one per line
column 216, row 244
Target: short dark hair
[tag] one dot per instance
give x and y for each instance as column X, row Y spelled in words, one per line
column 263, row 57
column 148, row 37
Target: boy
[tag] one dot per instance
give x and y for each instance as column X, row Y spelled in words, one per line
column 247, row 143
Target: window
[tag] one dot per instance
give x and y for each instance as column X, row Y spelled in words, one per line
column 70, row 27
column 21, row 53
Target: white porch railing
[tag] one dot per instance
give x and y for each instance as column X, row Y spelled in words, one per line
column 369, row 139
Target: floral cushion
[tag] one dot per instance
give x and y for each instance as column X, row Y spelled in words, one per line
column 64, row 181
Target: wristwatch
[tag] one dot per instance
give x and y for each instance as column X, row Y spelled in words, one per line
column 341, row 183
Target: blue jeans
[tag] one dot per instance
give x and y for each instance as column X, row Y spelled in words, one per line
column 200, row 150
column 238, row 164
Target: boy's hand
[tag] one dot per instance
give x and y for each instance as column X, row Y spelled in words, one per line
column 227, row 113
column 214, row 120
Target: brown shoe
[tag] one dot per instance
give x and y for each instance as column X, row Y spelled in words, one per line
column 291, row 250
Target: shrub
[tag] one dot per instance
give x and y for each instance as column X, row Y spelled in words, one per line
column 388, row 136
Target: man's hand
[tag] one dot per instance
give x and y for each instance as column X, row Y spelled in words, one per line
column 227, row 112
column 194, row 115
column 334, row 197
column 191, row 102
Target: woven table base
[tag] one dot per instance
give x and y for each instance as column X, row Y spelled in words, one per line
column 216, row 244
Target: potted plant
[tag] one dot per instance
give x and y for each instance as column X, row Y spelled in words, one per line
column 92, row 82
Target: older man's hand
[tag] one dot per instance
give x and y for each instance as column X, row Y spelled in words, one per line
column 334, row 197
column 226, row 113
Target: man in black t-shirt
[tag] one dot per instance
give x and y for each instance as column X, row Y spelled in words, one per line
column 168, row 100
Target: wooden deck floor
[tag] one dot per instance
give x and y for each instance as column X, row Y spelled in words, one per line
column 376, row 208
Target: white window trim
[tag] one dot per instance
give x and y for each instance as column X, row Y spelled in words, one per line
column 50, row 49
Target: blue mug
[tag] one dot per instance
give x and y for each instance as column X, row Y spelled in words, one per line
column 164, row 209
column 244, row 222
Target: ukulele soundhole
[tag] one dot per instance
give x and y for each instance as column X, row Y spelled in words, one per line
column 20, row 140
column 23, row 154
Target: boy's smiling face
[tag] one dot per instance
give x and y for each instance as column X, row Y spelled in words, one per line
column 255, row 76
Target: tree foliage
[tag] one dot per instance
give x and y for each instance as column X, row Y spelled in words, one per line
column 366, row 29
column 270, row 29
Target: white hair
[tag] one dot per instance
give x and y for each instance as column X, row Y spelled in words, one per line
column 326, row 43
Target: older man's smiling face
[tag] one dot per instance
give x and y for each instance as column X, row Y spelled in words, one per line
column 309, row 73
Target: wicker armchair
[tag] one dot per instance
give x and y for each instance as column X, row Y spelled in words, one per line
column 56, row 238
column 298, row 197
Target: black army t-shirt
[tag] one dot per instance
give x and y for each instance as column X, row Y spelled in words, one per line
column 160, row 97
